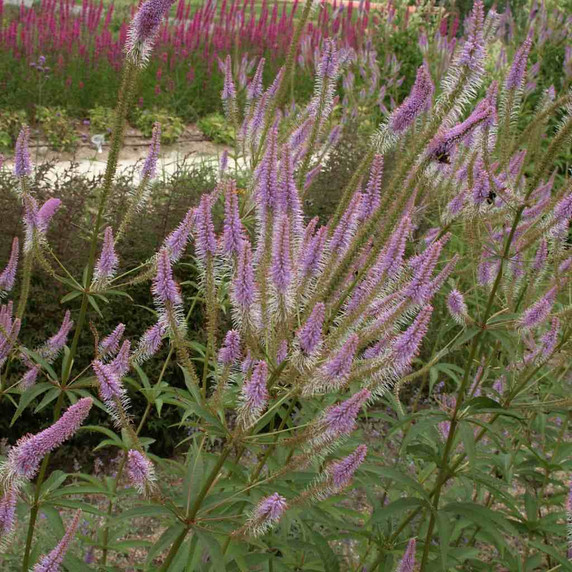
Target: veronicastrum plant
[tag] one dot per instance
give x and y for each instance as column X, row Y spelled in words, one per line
column 437, row 297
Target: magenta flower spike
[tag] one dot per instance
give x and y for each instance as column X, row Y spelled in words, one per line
column 407, row 563
column 177, row 241
column 22, row 163
column 538, row 312
column 144, row 28
column 406, row 347
column 51, row 349
column 516, row 75
column 233, row 231
column 110, row 344
column 457, row 306
column 243, row 286
column 342, row 472
column 149, row 169
column 418, row 101
column 230, row 351
column 205, row 240
column 53, row 561
column 107, row 264
column 7, row 515
column 341, row 419
column 281, row 269
column 254, row 395
column 309, row 336
column 140, row 470
column 372, row 196
column 165, row 289
column 8, row 276
column 24, row 459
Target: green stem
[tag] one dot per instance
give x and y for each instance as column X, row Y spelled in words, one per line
column 26, row 279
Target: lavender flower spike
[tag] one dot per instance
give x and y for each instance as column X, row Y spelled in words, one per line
column 140, row 470
column 341, row 419
column 110, row 344
column 334, row 373
column 233, row 232
column 51, row 349
column 46, row 213
column 7, row 515
column 177, row 241
column 25, row 458
column 309, row 336
column 8, row 276
column 22, row 164
column 150, row 343
column 408, row 344
column 144, row 29
column 343, row 471
column 538, row 312
column 515, row 78
column 267, row 513
column 149, row 170
column 230, row 351
column 243, row 286
column 407, row 563
column 281, row 270
column 254, row 394
column 416, row 102
column 205, row 239
column 52, row 562
column 165, row 289
column 110, row 388
column 457, row 307
column 108, row 262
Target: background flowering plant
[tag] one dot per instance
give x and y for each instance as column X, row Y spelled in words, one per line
column 427, row 318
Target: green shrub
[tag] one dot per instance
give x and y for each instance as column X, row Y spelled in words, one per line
column 57, row 127
column 216, row 128
column 100, row 119
column 10, row 124
column 172, row 126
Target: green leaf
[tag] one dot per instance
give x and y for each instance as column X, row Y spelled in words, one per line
column 213, row 547
column 330, row 560
column 396, row 507
column 28, row 396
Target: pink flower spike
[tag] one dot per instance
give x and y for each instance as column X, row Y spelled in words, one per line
column 407, row 563
column 230, row 351
column 53, row 561
column 140, row 470
column 110, row 344
column 341, row 419
column 108, row 262
column 46, row 212
column 8, row 276
column 343, row 471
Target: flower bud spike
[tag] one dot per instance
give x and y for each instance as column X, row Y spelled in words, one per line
column 22, row 163
column 110, row 344
column 141, row 471
column 177, row 241
column 108, row 262
column 254, row 395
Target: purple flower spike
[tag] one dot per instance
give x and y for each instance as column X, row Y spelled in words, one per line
column 233, row 232
column 7, row 514
column 271, row 508
column 372, row 196
column 416, row 102
column 149, row 170
column 407, row 345
column 140, row 471
column 407, row 563
column 457, row 306
column 46, row 212
column 255, row 87
column 281, row 270
column 243, row 288
column 177, row 241
column 120, row 365
column 110, row 387
column 343, row 471
column 29, row 378
column 515, row 77
column 563, row 210
column 53, row 561
column 108, row 262
column 539, row 311
column 309, row 336
column 51, row 349
column 205, row 239
column 254, row 393
column 22, row 164
column 229, row 89
column 313, row 249
column 230, row 351
column 144, row 28
column 8, row 276
column 391, row 258
column 473, row 53
column 336, row 371
column 25, row 458
column 165, row 289
column 330, row 61
column 110, row 344
column 150, row 342
column 341, row 419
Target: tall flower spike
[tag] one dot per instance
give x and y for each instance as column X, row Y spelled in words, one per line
column 515, row 77
column 22, row 164
column 407, row 563
column 141, row 471
column 51, row 349
column 309, row 336
column 312, row 251
column 205, row 239
column 457, row 306
column 149, row 170
column 230, row 351
column 108, row 262
column 473, row 52
column 8, row 276
column 177, row 241
column 110, row 388
column 7, row 515
column 233, row 232
column 25, row 458
column 120, row 364
column 110, row 344
column 255, row 87
column 144, row 28
column 341, row 419
column 334, row 373
column 416, row 102
column 267, row 513
column 165, row 289
column 281, row 270
column 53, row 561
column 343, row 471
column 407, row 345
column 372, row 196
column 150, row 342
column 243, row 286
column 538, row 312
column 46, row 213
column 229, row 89
column 254, row 396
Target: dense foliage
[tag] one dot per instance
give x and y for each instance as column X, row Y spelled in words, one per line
column 383, row 386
